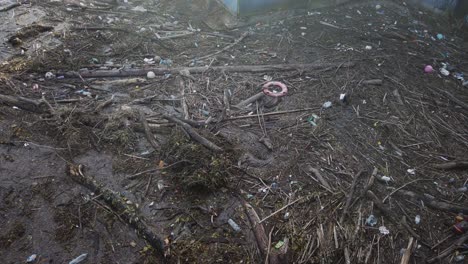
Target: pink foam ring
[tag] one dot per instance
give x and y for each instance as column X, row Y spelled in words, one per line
column 428, row 69
column 268, row 92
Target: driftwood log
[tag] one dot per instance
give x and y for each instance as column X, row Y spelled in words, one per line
column 22, row 103
column 434, row 204
column 127, row 211
column 199, row 70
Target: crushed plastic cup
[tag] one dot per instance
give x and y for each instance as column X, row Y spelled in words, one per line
column 31, row 258
column 327, row 104
column 384, row 230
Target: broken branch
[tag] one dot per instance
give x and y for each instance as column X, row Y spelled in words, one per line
column 194, row 134
column 127, row 211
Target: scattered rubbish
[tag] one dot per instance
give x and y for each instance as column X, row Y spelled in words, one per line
column 386, row 179
column 271, row 89
column 462, row 189
column 79, row 259
column 49, row 76
column 343, row 97
column 286, row 216
column 313, row 119
column 378, row 7
column 35, row 87
column 428, row 69
column 417, row 219
column 459, row 76
column 279, row 245
column 327, row 104
column 368, row 47
column 328, row 24
column 149, row 60
column 384, row 230
column 267, row 78
column 465, row 84
column 133, row 244
column 440, row 36
column 31, row 258
column 444, row 72
column 371, row 220
column 83, row 92
column 161, row 185
column 411, row 171
column 274, row 186
column 234, row 226
column 166, row 62
column 313, row 13
column 150, row 75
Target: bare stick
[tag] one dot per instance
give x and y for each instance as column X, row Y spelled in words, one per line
column 148, row 133
column 407, row 255
column 319, row 176
column 453, row 98
column 257, row 228
column 227, row 100
column 450, row 249
column 380, row 205
column 264, row 242
column 104, row 104
column 452, row 165
column 242, row 37
column 281, row 209
column 372, row 82
column 401, row 187
column 250, row 100
column 194, row 135
column 350, row 196
column 409, row 229
column 369, row 184
column 180, row 83
column 271, row 114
